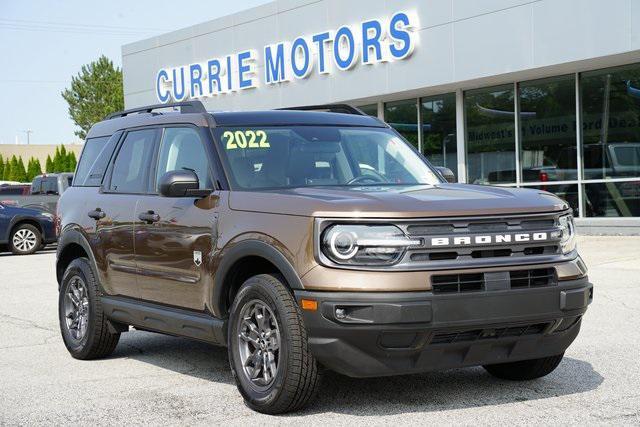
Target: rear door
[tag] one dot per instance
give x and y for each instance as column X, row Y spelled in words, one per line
column 172, row 249
column 115, row 207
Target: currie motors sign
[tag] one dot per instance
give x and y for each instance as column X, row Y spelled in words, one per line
column 370, row 42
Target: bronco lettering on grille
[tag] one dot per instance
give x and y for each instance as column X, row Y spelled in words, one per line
column 489, row 239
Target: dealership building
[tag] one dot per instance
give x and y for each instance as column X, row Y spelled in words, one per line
column 537, row 94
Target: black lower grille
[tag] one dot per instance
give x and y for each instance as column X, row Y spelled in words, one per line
column 457, row 283
column 533, row 278
column 489, row 333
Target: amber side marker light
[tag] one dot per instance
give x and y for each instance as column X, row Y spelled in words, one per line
column 309, row 304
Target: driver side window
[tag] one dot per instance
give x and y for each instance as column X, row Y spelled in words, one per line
column 181, row 149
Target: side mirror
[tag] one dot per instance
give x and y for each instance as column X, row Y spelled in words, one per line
column 181, row 183
column 446, row 173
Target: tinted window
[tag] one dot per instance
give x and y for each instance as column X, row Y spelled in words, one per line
column 491, row 141
column 182, row 149
column 548, row 130
column 611, row 125
column 45, row 185
column 439, row 142
column 94, row 160
column 403, row 117
column 131, row 167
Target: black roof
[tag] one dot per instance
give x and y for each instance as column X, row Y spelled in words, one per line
column 293, row 117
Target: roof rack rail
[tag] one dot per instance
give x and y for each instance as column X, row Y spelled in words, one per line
column 185, row 107
column 331, row 108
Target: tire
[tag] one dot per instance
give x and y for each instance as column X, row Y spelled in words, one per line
column 296, row 376
column 93, row 340
column 526, row 369
column 25, row 239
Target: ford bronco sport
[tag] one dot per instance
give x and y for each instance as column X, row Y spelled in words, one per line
column 301, row 239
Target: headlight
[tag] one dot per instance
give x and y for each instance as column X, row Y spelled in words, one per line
column 365, row 244
column 567, row 233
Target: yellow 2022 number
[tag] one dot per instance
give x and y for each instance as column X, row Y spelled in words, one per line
column 245, row 139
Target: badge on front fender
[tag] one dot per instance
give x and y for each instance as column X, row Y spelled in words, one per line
column 197, row 258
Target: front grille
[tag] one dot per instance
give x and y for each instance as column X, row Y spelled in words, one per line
column 470, row 282
column 477, row 253
column 489, row 333
column 532, row 278
column 452, row 283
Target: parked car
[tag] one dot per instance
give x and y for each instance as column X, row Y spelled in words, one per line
column 43, row 194
column 24, row 231
column 301, row 239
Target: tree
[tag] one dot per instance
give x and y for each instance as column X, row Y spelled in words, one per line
column 37, row 169
column 73, row 162
column 1, row 167
column 49, row 164
column 20, row 173
column 7, row 170
column 95, row 92
column 57, row 161
column 13, row 169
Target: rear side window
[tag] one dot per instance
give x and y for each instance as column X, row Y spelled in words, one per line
column 131, row 167
column 94, row 161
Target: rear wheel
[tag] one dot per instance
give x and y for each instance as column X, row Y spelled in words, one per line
column 85, row 330
column 268, row 351
column 525, row 369
column 25, row 239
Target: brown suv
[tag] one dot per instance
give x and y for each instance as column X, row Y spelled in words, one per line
column 302, row 239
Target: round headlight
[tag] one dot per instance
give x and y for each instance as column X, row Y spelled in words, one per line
column 343, row 244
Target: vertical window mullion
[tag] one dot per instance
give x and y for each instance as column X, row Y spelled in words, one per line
column 461, row 137
column 419, row 113
column 516, row 109
column 579, row 163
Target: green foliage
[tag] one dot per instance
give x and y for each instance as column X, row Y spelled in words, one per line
column 33, row 169
column 19, row 173
column 73, row 162
column 95, row 92
column 7, row 170
column 1, row 166
column 49, row 164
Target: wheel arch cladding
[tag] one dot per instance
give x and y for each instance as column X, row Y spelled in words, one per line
column 246, row 259
column 72, row 245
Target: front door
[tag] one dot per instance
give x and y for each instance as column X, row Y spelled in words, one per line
column 114, row 212
column 174, row 237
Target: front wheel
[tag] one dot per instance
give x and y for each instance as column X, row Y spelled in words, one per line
column 525, row 369
column 270, row 359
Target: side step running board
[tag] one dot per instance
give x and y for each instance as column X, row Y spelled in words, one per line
column 167, row 320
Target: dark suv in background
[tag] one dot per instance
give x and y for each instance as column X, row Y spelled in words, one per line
column 302, row 239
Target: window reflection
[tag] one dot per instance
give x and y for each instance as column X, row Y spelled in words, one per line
column 490, row 123
column 403, row 117
column 439, row 130
column 548, row 129
column 370, row 109
column 611, row 122
column 612, row 199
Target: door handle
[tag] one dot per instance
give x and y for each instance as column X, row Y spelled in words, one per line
column 96, row 214
column 149, row 217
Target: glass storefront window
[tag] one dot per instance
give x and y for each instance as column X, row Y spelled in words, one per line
column 403, row 117
column 490, row 125
column 567, row 192
column 439, row 130
column 612, row 199
column 370, row 109
column 548, row 129
column 611, row 122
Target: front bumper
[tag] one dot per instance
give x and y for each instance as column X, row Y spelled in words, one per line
column 408, row 332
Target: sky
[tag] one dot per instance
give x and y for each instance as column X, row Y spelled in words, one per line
column 44, row 43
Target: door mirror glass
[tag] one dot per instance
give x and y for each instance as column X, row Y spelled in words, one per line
column 446, row 173
column 180, row 183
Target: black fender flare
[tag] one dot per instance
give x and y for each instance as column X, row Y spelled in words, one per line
column 69, row 236
column 250, row 248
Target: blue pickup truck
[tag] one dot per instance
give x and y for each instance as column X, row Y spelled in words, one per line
column 24, row 231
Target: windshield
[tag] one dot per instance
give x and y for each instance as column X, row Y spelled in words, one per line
column 299, row 156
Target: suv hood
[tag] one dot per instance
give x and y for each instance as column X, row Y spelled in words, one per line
column 397, row 201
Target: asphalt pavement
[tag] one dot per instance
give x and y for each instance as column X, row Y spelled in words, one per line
column 153, row 379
